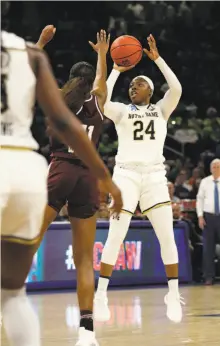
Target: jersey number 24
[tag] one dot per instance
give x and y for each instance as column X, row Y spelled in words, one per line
column 140, row 130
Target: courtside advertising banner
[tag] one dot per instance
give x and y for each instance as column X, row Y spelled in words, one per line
column 139, row 261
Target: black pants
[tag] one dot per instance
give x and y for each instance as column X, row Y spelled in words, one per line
column 211, row 235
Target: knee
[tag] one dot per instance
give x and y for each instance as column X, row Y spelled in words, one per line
column 83, row 259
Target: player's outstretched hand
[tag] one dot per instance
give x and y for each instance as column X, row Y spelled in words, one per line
column 122, row 68
column 108, row 186
column 153, row 53
column 103, row 41
column 46, row 36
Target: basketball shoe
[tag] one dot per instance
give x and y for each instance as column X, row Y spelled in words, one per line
column 86, row 338
column 174, row 304
column 101, row 309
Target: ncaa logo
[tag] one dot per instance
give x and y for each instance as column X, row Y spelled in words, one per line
column 133, row 108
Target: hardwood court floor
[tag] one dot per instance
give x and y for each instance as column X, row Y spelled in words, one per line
column 138, row 318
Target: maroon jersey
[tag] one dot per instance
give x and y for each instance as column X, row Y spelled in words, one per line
column 91, row 118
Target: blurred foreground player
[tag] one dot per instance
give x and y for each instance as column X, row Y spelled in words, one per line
column 71, row 182
column 26, row 74
column 141, row 175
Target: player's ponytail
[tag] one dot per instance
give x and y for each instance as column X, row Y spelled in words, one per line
column 75, row 92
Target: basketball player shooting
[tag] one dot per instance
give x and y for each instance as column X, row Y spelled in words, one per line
column 23, row 174
column 70, row 181
column 142, row 127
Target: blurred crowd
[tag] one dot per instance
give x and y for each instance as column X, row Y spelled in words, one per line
column 187, row 35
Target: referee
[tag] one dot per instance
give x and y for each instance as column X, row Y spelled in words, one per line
column 208, row 212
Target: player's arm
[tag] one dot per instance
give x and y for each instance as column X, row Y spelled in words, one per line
column 172, row 96
column 99, row 85
column 114, row 110
column 46, row 36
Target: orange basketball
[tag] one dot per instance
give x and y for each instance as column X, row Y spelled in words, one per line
column 126, row 51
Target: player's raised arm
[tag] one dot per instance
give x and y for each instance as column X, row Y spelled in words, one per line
column 46, row 36
column 172, row 96
column 99, row 85
column 114, row 110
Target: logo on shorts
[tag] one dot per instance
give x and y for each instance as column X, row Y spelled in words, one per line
column 116, row 217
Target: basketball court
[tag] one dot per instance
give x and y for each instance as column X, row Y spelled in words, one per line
column 138, row 318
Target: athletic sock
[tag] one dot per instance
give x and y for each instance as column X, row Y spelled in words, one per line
column 173, row 284
column 86, row 320
column 103, row 284
column 20, row 321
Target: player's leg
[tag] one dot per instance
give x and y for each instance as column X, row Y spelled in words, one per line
column 58, row 190
column 162, row 223
column 129, row 183
column 84, row 231
column 156, row 205
column 49, row 216
column 21, row 220
column 20, row 321
column 82, row 206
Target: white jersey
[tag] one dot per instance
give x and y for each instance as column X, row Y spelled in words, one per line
column 141, row 134
column 18, row 94
column 142, row 129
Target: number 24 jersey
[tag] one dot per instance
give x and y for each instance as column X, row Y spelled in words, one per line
column 141, row 133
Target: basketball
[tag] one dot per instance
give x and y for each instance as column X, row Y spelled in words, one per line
column 126, row 51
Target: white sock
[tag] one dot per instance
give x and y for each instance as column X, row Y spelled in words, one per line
column 173, row 285
column 102, row 285
column 20, row 321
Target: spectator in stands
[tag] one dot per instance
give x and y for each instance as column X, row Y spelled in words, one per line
column 106, row 146
column 195, row 242
column 175, row 168
column 176, row 212
column 137, row 10
column 195, row 181
column 182, row 188
column 173, row 198
column 208, row 211
column 177, row 216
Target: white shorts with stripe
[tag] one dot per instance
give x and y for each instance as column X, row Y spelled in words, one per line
column 149, row 188
column 23, row 194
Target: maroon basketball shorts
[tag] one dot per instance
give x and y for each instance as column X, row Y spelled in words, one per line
column 69, row 182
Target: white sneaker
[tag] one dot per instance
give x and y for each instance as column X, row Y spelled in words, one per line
column 86, row 338
column 174, row 308
column 101, row 309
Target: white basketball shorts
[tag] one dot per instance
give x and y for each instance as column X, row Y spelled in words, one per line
column 23, row 194
column 148, row 188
